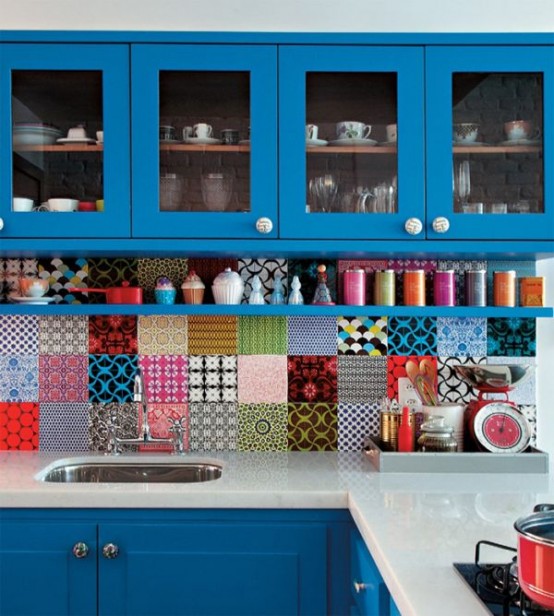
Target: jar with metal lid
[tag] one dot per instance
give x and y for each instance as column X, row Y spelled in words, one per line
column 437, row 436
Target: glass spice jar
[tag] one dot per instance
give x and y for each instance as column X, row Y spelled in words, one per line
column 437, row 436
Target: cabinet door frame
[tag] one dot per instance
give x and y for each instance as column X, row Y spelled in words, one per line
column 113, row 61
column 294, row 63
column 146, row 63
column 441, row 62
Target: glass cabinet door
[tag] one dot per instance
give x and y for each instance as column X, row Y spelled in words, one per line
column 61, row 177
column 351, row 141
column 487, row 147
column 204, row 147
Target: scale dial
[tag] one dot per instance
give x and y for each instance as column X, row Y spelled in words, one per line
column 501, row 428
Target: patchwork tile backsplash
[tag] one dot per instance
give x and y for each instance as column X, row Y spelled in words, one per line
column 239, row 383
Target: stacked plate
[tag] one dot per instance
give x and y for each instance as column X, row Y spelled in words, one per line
column 35, row 133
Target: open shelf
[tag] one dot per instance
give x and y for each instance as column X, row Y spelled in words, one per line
column 77, row 147
column 335, row 149
column 496, row 149
column 183, row 147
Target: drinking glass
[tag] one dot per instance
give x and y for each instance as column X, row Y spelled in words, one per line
column 217, row 189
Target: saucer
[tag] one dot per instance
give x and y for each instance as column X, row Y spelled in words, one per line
column 203, row 141
column 388, row 143
column 521, row 142
column 468, row 144
column 315, row 142
column 33, row 301
column 244, row 142
column 353, row 142
column 67, row 140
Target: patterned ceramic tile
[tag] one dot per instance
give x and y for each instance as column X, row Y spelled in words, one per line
column 162, row 335
column 18, row 378
column 113, row 334
column 312, row 427
column 12, row 270
column 361, row 379
column 312, row 335
column 460, row 267
column 357, row 422
column 262, row 335
column 461, row 336
column 63, row 335
column 99, row 417
column 522, row 268
column 525, row 392
column 396, row 369
column 262, row 427
column 312, row 378
column 149, row 270
column 212, row 378
column 104, row 273
column 451, row 388
column 262, row 378
column 362, row 336
column 265, row 269
column 412, row 336
column 511, row 337
column 370, row 267
column 306, row 270
column 208, row 269
column 63, row 378
column 530, row 413
column 159, row 416
column 62, row 274
column 18, row 334
column 63, row 427
column 19, row 426
column 212, row 335
column 401, row 265
column 213, row 426
column 111, row 377
column 165, row 377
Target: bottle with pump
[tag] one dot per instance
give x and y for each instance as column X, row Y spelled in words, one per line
column 405, row 431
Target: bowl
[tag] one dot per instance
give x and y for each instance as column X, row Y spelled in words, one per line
column 493, row 376
column 33, row 287
column 62, row 205
column 22, row 204
column 77, row 132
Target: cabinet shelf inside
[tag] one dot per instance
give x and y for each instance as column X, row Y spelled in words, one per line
column 183, row 147
column 496, row 149
column 77, row 147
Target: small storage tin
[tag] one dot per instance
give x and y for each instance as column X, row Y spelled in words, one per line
column 504, row 288
column 414, row 288
column 384, row 290
column 354, row 287
column 444, row 288
column 475, row 288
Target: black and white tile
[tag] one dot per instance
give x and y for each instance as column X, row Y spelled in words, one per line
column 213, row 426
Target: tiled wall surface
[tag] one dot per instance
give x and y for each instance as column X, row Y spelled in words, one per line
column 241, row 383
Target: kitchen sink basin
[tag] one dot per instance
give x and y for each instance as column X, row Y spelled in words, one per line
column 133, row 472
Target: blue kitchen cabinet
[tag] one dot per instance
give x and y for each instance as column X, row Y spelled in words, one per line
column 47, row 91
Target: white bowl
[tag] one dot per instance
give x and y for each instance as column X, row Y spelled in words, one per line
column 22, row 204
column 77, row 132
column 32, row 137
column 63, row 205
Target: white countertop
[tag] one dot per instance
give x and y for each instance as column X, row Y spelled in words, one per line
column 415, row 525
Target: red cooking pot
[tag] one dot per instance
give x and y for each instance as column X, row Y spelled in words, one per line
column 124, row 294
column 535, row 555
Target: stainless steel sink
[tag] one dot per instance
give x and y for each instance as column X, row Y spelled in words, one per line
column 133, row 472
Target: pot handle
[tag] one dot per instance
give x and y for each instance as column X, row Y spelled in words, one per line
column 543, row 507
column 84, row 290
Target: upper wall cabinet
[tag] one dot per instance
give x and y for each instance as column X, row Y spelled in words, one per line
column 204, row 122
column 56, row 103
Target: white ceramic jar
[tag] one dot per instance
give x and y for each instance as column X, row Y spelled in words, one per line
column 228, row 287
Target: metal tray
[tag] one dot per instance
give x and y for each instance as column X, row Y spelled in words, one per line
column 530, row 461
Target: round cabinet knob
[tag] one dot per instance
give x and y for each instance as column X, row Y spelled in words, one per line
column 264, row 225
column 441, row 224
column 359, row 587
column 110, row 550
column 80, row 550
column 1, row 223
column 413, row 226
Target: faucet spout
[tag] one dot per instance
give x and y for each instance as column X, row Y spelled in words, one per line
column 139, row 395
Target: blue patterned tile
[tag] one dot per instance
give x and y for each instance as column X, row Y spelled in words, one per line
column 18, row 378
column 412, row 336
column 18, row 334
column 362, row 335
column 525, row 392
column 522, row 268
column 461, row 336
column 356, row 422
column 312, row 335
column 64, row 426
column 111, row 377
column 514, row 337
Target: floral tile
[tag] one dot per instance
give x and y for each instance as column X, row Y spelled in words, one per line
column 312, row 378
column 362, row 336
column 461, row 336
column 370, row 267
column 396, row 369
column 401, row 265
column 212, row 378
column 262, row 335
column 312, row 427
column 356, row 422
column 18, row 334
column 265, row 269
column 306, row 270
column 63, row 335
column 212, row 335
column 99, row 418
column 19, row 426
column 63, row 426
column 162, row 335
column 165, row 377
column 63, row 378
column 412, row 336
column 451, row 388
column 208, row 269
column 262, row 378
column 361, row 379
column 159, row 416
column 149, row 270
column 213, row 426
column 511, row 337
column 104, row 273
column 530, row 413
column 113, row 334
column 460, row 267
column 63, row 274
column 522, row 268
column 312, row 335
column 18, row 378
column 12, row 270
column 526, row 391
column 111, row 377
column 262, row 427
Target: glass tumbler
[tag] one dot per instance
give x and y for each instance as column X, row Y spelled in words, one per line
column 217, row 189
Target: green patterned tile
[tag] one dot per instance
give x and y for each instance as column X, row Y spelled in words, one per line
column 312, row 427
column 262, row 335
column 262, row 427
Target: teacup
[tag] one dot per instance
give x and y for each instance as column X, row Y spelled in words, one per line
column 353, row 130
column 167, row 132
column 465, row 132
column 392, row 133
column 202, row 131
column 21, row 204
column 230, row 136
column 187, row 132
column 100, row 136
column 312, row 131
column 77, row 132
column 33, row 287
column 520, row 129
column 62, row 205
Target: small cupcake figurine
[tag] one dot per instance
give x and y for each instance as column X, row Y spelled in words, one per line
column 295, row 297
column 278, row 295
column 322, row 295
column 193, row 289
column 256, row 295
column 164, row 292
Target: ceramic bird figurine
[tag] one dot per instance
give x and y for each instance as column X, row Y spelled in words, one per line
column 278, row 295
column 256, row 295
column 295, row 297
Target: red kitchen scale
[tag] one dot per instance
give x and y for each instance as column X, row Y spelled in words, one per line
column 495, row 424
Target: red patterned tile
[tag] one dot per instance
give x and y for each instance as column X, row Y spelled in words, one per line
column 396, row 369
column 312, row 378
column 158, row 418
column 19, row 425
column 113, row 335
column 165, row 377
column 63, row 378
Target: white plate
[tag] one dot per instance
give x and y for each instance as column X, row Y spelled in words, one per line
column 67, row 140
column 353, row 142
column 521, row 142
column 468, row 144
column 388, row 143
column 203, row 141
column 32, row 300
column 316, row 142
column 244, row 142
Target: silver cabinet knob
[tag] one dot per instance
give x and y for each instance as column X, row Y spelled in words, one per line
column 110, row 550
column 359, row 587
column 80, row 550
column 441, row 224
column 1, row 224
column 264, row 225
column 413, row 226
